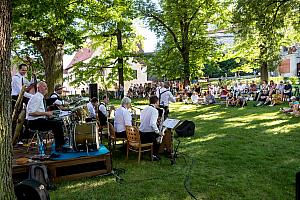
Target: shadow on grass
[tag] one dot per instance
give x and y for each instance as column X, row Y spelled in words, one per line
column 239, row 153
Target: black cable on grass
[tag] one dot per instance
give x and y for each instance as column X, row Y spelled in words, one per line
column 186, row 182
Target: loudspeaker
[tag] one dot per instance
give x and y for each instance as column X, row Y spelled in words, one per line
column 93, row 90
column 298, row 185
column 31, row 189
column 186, row 129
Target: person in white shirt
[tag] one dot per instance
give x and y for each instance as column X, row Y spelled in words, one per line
column 103, row 113
column 165, row 97
column 55, row 102
column 36, row 115
column 123, row 118
column 91, row 109
column 195, row 98
column 148, row 129
column 17, row 82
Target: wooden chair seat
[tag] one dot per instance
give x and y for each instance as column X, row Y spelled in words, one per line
column 112, row 135
column 134, row 142
column 137, row 145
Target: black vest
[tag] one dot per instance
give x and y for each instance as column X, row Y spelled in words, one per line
column 102, row 117
column 50, row 102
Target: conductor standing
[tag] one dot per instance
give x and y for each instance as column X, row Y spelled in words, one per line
column 165, row 97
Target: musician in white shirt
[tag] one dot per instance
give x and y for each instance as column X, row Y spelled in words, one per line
column 148, row 129
column 123, row 118
column 165, row 97
column 103, row 113
column 18, row 80
column 91, row 109
column 37, row 116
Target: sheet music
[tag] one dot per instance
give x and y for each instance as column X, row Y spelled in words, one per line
column 170, row 123
column 64, row 113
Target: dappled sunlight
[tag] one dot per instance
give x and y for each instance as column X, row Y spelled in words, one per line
column 282, row 129
column 210, row 116
column 252, row 117
column 233, row 125
column 207, row 138
column 87, row 185
column 273, row 123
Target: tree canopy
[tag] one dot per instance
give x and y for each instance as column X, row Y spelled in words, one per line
column 183, row 29
column 261, row 28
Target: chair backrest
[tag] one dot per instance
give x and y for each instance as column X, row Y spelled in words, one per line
column 133, row 134
column 112, row 131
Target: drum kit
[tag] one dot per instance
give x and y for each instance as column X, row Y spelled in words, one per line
column 80, row 135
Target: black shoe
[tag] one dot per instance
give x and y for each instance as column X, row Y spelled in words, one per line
column 156, row 158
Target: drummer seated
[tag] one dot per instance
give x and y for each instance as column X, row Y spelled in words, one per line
column 123, row 118
column 148, row 129
column 91, row 107
column 39, row 119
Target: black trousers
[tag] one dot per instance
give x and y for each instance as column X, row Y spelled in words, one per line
column 56, row 126
column 121, row 134
column 148, row 137
column 166, row 108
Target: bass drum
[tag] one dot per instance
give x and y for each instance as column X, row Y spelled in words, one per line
column 86, row 137
column 31, row 190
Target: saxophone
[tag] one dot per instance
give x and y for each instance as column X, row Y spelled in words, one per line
column 161, row 127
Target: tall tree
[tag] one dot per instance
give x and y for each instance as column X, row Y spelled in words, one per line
column 260, row 27
column 183, row 28
column 6, row 185
column 49, row 26
column 109, row 26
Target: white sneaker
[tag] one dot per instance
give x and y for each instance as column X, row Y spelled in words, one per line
column 20, row 143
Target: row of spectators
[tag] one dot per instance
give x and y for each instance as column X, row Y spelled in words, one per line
column 239, row 93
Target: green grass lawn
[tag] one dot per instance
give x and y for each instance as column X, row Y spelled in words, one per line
column 237, row 153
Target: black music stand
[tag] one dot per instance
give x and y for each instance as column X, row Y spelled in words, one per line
column 172, row 124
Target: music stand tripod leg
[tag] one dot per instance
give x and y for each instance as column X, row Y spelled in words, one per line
column 174, row 153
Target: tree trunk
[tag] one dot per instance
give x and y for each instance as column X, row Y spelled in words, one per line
column 186, row 68
column 52, row 52
column 120, row 59
column 263, row 64
column 264, row 76
column 185, row 51
column 6, row 184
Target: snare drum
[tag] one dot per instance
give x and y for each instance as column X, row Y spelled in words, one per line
column 86, row 137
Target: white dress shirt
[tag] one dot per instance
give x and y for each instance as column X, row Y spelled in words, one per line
column 56, row 102
column 91, row 109
column 16, row 85
column 122, row 118
column 102, row 108
column 149, row 119
column 35, row 104
column 165, row 97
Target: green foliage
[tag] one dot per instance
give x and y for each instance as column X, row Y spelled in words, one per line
column 106, row 22
column 262, row 28
column 182, row 26
column 294, row 79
